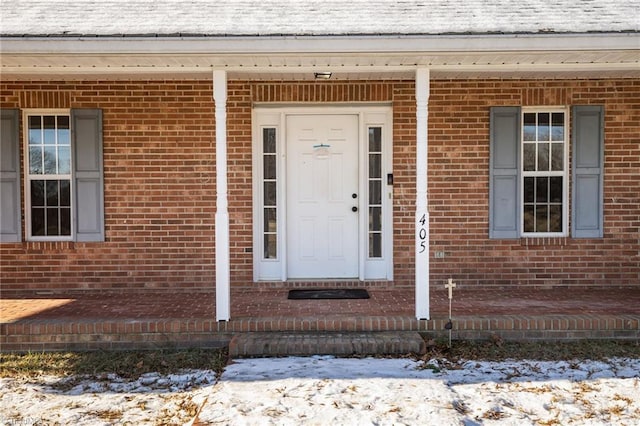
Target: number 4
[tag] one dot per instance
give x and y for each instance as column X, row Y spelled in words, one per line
column 423, row 219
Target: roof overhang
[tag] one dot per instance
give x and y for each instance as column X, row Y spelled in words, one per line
column 354, row 57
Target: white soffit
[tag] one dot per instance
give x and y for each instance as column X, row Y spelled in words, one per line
column 284, row 58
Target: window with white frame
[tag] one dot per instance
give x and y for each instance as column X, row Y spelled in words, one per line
column 544, row 172
column 48, row 175
column 375, row 192
column 270, row 193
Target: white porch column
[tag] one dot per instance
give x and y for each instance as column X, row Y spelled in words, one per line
column 223, row 293
column 422, row 207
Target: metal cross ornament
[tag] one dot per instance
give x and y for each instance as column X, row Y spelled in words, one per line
column 450, row 285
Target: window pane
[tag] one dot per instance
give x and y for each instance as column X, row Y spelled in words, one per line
column 557, row 130
column 37, row 222
column 541, row 219
column 50, row 160
column 269, row 193
column 529, row 190
column 269, row 166
column 270, row 246
column 375, row 139
column 270, row 219
column 63, row 130
column 529, row 127
column 52, row 193
column 35, row 130
column 49, row 122
column 529, row 218
column 543, row 156
column 375, row 245
column 542, row 193
column 52, row 222
column 555, row 189
column 269, row 140
column 543, row 126
column 65, row 221
column 64, row 160
column 375, row 192
column 529, row 157
column 35, row 160
column 557, row 156
column 37, row 193
column 375, row 218
column 555, row 218
column 375, row 168
column 65, row 193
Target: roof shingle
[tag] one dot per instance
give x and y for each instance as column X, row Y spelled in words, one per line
column 313, row 18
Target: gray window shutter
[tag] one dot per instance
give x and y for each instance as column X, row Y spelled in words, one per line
column 88, row 174
column 504, row 170
column 588, row 164
column 10, row 217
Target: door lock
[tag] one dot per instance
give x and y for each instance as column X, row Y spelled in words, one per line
column 354, row 209
column 354, row 195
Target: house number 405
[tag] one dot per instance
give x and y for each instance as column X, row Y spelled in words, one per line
column 422, row 234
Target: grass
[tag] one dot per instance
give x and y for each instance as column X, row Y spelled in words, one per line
column 496, row 349
column 132, row 364
column 127, row 364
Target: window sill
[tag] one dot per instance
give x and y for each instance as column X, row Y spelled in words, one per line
column 50, row 245
column 544, row 241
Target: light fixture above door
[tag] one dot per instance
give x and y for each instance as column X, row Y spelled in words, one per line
column 322, row 75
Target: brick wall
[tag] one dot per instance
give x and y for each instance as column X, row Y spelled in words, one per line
column 159, row 179
column 159, row 157
column 458, row 185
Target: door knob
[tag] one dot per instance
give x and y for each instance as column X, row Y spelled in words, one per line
column 354, row 209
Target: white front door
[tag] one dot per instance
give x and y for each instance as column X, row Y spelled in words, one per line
column 322, row 196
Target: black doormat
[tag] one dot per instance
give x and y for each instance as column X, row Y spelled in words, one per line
column 340, row 293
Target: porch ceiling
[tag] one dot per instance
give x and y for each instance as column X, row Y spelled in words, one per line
column 301, row 67
column 296, row 59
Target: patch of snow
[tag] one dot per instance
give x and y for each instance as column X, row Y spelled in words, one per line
column 328, row 390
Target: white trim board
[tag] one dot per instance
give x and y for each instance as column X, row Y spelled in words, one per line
column 268, row 116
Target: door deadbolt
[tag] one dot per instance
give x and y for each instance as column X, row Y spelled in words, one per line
column 354, row 195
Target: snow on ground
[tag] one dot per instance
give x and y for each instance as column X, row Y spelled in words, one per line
column 325, row 390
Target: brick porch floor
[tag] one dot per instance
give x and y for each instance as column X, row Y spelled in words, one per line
column 124, row 320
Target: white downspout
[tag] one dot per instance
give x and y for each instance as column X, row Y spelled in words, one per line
column 223, row 290
column 422, row 208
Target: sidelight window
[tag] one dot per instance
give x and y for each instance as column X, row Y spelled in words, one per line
column 375, row 192
column 270, row 193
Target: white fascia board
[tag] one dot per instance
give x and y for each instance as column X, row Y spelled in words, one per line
column 328, row 44
column 481, row 68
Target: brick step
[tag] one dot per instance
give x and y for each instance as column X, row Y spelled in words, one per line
column 324, row 343
column 114, row 334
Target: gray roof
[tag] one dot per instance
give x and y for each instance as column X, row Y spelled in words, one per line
column 313, row 18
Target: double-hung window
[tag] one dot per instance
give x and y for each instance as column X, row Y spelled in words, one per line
column 63, row 175
column 544, row 172
column 532, row 190
column 48, row 182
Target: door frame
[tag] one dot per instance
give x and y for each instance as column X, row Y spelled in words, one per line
column 269, row 116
